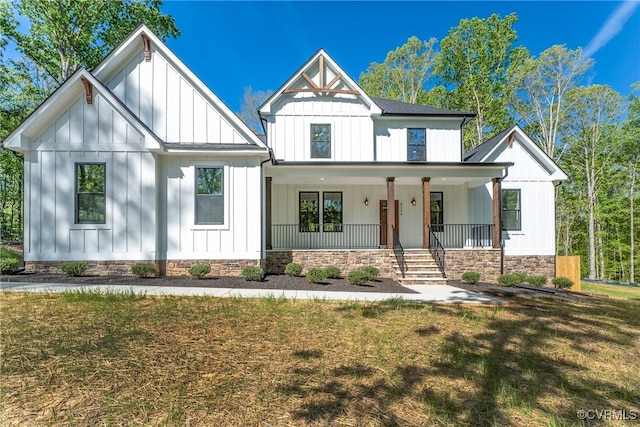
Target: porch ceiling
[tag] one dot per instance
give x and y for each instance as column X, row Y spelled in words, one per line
column 374, row 174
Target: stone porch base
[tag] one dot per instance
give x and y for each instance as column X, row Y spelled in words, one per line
column 346, row 260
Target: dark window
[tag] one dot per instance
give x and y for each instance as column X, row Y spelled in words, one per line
column 437, row 211
column 209, row 195
column 416, row 145
column 332, row 211
column 309, row 211
column 320, row 141
column 90, row 193
column 511, row 210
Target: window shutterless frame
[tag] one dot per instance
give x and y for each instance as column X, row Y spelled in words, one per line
column 320, row 141
column 511, row 210
column 309, row 211
column 416, row 144
column 90, row 193
column 332, row 211
column 437, row 211
column 209, row 195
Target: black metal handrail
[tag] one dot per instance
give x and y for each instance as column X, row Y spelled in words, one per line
column 437, row 251
column 398, row 251
column 464, row 235
column 325, row 236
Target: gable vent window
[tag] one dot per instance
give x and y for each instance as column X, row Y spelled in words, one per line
column 209, row 195
column 90, row 193
column 416, row 145
column 320, row 141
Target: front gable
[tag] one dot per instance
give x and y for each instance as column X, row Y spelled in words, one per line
column 168, row 97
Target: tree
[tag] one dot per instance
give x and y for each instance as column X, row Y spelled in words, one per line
column 249, row 108
column 66, row 34
column 474, row 66
column 404, row 73
column 542, row 84
column 591, row 128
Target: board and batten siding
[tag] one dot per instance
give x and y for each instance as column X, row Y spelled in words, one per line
column 239, row 237
column 289, row 129
column 170, row 104
column 537, row 192
column 443, row 140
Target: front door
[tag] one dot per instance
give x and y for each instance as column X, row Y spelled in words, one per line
column 383, row 221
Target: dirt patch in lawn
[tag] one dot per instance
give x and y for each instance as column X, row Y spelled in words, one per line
column 513, row 292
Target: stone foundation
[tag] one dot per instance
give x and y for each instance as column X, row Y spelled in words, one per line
column 486, row 262
column 224, row 267
column 533, row 265
column 345, row 260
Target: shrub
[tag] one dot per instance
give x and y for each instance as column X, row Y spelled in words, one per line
column 371, row 271
column 537, row 280
column 520, row 277
column 144, row 269
column 9, row 266
column 253, row 274
column 358, row 277
column 470, row 277
column 200, row 270
column 332, row 272
column 316, row 275
column 293, row 269
column 73, row 268
column 508, row 280
column 562, row 282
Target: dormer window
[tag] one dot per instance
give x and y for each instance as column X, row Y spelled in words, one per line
column 320, row 141
column 416, row 145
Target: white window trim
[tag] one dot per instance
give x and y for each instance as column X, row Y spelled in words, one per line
column 226, row 178
column 331, row 142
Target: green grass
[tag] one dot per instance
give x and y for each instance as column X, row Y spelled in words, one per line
column 85, row 358
column 6, row 253
column 615, row 291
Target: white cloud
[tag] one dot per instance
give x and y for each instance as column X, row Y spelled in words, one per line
column 611, row 27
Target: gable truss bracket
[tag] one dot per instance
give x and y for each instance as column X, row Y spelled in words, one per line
column 88, row 90
column 146, row 41
column 321, row 87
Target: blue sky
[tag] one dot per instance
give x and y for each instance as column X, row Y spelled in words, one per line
column 232, row 45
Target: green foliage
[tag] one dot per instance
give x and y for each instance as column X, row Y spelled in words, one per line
column 475, row 63
column 371, row 272
column 358, row 277
column 293, row 269
column 253, row 274
column 520, row 277
column 332, row 272
column 470, row 277
column 200, row 270
column 9, row 265
column 316, row 275
column 562, row 282
column 144, row 269
column 536, row 280
column 509, row 280
column 73, row 268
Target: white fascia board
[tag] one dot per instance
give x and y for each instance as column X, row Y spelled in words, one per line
column 253, row 152
column 133, row 45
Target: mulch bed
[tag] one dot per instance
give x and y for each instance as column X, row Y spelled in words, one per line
column 279, row 282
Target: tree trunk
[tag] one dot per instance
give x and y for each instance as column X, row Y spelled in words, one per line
column 632, row 216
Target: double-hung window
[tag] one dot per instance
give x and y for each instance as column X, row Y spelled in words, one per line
column 511, row 210
column 320, row 141
column 309, row 211
column 90, row 193
column 416, row 145
column 209, row 209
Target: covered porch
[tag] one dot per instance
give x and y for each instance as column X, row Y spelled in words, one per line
column 382, row 205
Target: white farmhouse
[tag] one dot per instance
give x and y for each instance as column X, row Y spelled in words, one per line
column 137, row 160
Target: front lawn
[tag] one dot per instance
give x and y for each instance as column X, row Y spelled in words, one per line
column 87, row 359
column 615, row 291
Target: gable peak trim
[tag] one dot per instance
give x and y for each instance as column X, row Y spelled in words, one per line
column 88, row 89
column 146, row 42
column 321, row 87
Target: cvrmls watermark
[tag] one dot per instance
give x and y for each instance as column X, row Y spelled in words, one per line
column 609, row 414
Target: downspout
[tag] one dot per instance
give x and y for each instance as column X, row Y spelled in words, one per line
column 500, row 211
column 263, row 237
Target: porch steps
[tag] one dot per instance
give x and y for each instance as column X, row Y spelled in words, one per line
column 420, row 269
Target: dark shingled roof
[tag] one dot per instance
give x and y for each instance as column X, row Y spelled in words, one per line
column 478, row 153
column 390, row 107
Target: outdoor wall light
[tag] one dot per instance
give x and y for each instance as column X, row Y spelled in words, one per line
column 366, row 201
column 413, row 201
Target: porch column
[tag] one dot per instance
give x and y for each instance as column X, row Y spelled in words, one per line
column 426, row 211
column 267, row 215
column 497, row 231
column 391, row 210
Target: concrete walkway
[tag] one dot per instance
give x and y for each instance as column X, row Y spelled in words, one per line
column 427, row 293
